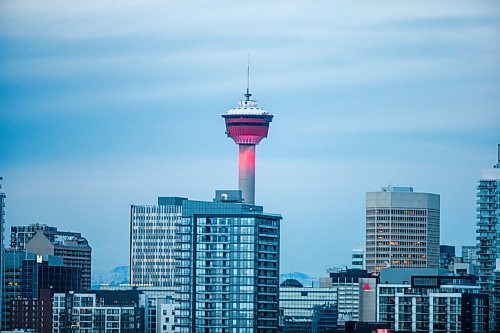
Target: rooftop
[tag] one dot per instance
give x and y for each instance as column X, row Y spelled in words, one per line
column 390, row 188
column 248, row 107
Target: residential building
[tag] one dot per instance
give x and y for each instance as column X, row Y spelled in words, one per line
column 422, row 300
column 496, row 298
column 358, row 257
column 165, row 309
column 356, row 294
column 488, row 224
column 45, row 240
column 32, row 314
column 99, row 311
column 307, row 309
column 159, row 309
column 402, row 229
column 21, row 235
column 2, row 228
column 225, row 260
column 446, row 256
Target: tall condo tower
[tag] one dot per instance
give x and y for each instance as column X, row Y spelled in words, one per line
column 247, row 125
column 488, row 237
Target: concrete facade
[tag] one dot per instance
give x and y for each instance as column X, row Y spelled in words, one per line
column 402, row 229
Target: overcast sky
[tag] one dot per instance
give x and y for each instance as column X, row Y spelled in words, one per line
column 106, row 104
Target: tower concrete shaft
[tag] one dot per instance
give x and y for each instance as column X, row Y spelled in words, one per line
column 247, row 125
column 246, row 178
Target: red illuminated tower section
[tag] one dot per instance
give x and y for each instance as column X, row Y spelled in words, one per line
column 247, row 124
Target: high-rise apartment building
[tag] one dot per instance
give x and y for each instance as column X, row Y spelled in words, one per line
column 223, row 260
column 402, row 229
column 488, row 224
column 2, row 224
column 45, row 240
column 496, row 298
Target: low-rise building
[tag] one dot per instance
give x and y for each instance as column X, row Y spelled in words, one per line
column 355, row 288
column 159, row 310
column 414, row 300
column 99, row 311
column 307, row 309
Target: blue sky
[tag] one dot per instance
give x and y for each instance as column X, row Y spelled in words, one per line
column 107, row 104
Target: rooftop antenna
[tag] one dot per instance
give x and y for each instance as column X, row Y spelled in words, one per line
column 247, row 95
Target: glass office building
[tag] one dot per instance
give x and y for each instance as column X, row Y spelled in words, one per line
column 46, row 240
column 225, row 259
column 308, row 309
column 152, row 241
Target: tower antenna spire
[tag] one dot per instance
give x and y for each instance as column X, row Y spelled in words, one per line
column 247, row 95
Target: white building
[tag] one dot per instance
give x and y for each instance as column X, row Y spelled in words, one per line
column 419, row 300
column 159, row 308
column 152, row 244
column 402, row 229
column 356, row 294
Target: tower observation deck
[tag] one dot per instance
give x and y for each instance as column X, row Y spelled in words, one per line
column 247, row 125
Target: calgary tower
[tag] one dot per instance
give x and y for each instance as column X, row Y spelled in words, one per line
column 247, row 124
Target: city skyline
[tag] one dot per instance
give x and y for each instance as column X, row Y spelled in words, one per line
column 98, row 114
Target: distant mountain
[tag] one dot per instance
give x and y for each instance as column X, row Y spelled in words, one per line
column 119, row 275
column 306, row 280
